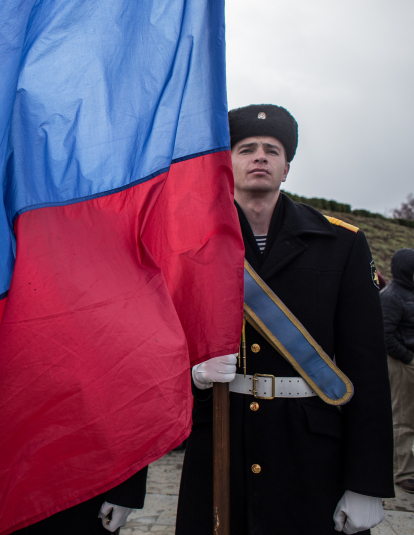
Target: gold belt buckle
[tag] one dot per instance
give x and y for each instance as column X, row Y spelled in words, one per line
column 256, row 378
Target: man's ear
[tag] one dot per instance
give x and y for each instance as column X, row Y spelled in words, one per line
column 287, row 167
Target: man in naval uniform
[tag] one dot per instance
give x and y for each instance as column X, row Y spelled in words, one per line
column 299, row 466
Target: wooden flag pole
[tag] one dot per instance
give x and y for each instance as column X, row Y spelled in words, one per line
column 221, row 459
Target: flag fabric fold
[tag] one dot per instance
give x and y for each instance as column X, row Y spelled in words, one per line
column 121, row 258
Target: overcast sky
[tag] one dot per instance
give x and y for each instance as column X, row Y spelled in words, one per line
column 344, row 69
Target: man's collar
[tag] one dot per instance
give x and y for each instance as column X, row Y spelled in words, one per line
column 301, row 219
column 298, row 218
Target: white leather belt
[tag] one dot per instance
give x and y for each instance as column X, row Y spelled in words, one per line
column 263, row 386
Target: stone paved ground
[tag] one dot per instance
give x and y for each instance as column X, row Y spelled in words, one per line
column 399, row 515
column 158, row 515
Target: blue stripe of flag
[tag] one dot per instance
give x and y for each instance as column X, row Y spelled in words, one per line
column 109, row 93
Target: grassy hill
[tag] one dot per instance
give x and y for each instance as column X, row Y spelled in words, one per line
column 384, row 237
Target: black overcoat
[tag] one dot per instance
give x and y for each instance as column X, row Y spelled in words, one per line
column 309, row 452
column 397, row 300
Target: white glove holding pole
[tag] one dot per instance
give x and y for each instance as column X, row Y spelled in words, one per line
column 357, row 512
column 118, row 518
column 216, row 370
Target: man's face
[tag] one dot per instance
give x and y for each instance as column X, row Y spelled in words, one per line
column 259, row 165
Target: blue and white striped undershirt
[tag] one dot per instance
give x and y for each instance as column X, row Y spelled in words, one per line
column 261, row 242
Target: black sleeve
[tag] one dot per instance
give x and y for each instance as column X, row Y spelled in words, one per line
column 130, row 493
column 203, row 404
column 361, row 355
column 392, row 310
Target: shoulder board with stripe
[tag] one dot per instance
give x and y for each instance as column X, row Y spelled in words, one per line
column 341, row 223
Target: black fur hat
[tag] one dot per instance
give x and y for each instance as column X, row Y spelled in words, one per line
column 264, row 120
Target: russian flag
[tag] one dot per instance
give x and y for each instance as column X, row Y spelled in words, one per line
column 121, row 258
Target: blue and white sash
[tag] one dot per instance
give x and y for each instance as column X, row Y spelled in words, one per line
column 274, row 321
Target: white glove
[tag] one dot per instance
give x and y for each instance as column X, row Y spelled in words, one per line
column 119, row 516
column 216, row 370
column 357, row 512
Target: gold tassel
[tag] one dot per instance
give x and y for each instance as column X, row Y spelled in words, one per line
column 243, row 346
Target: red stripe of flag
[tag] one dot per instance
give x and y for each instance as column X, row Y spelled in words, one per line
column 108, row 300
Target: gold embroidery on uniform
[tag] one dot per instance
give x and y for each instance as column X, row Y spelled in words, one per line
column 340, row 223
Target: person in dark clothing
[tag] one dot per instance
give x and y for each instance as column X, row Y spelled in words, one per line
column 381, row 281
column 397, row 300
column 82, row 519
column 299, row 466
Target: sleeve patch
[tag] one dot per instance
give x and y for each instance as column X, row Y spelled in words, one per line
column 374, row 275
column 341, row 223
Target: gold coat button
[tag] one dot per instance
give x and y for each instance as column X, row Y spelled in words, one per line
column 254, row 406
column 256, row 469
column 255, row 348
